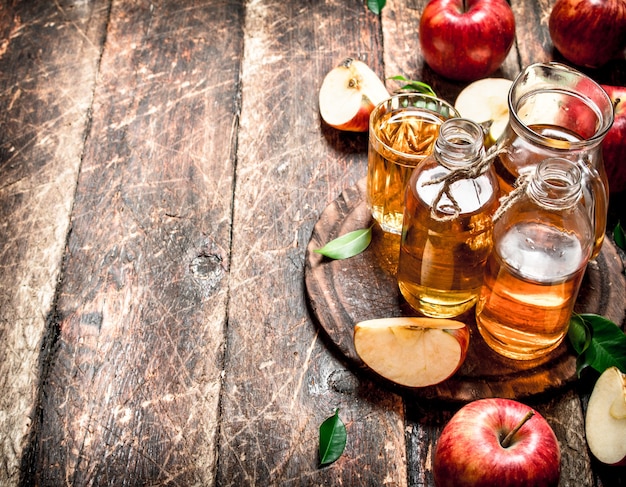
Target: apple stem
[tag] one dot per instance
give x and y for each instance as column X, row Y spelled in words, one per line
column 615, row 103
column 506, row 442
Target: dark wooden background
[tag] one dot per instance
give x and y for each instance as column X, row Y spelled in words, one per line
column 162, row 165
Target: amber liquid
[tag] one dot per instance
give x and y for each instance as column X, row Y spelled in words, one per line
column 528, row 294
column 521, row 157
column 441, row 263
column 410, row 131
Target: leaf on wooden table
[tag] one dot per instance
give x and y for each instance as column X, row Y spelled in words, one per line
column 619, row 236
column 332, row 439
column 376, row 6
column 603, row 343
column 414, row 85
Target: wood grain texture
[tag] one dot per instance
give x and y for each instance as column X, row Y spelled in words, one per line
column 49, row 53
column 281, row 383
column 130, row 387
column 162, row 167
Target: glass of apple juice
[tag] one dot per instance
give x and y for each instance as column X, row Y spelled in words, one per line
column 402, row 132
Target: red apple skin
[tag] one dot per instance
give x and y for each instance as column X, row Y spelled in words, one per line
column 468, row 42
column 614, row 144
column 469, row 452
column 588, row 32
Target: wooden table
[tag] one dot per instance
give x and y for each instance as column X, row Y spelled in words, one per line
column 162, row 166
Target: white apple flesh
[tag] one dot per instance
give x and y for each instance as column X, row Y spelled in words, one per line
column 348, row 95
column 605, row 420
column 497, row 442
column 412, row 352
column 486, row 102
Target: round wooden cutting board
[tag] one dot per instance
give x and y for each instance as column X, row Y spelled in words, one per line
column 344, row 292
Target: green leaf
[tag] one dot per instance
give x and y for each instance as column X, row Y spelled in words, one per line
column 412, row 85
column 606, row 348
column 347, row 245
column 376, row 6
column 619, row 236
column 579, row 334
column 332, row 439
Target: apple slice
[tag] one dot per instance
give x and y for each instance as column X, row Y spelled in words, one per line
column 413, row 352
column 486, row 100
column 348, row 95
column 605, row 421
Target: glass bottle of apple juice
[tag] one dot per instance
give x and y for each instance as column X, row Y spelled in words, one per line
column 446, row 232
column 543, row 241
column 557, row 111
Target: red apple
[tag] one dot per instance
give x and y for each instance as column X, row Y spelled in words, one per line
column 475, row 448
column 466, row 39
column 588, row 32
column 614, row 144
column 348, row 95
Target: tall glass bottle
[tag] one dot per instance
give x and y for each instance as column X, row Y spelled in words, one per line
column 446, row 231
column 542, row 244
column 556, row 111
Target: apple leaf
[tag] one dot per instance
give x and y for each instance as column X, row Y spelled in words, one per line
column 619, row 236
column 579, row 334
column 376, row 6
column 599, row 342
column 332, row 439
column 347, row 245
column 412, row 85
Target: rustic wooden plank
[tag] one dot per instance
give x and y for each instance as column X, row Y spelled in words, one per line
column 281, row 382
column 48, row 61
column 131, row 385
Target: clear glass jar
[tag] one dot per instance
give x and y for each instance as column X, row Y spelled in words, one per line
column 556, row 111
column 543, row 239
column 446, row 232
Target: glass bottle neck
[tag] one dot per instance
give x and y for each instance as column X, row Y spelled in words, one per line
column 459, row 144
column 556, row 184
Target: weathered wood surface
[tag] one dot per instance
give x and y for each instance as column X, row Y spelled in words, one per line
column 162, row 166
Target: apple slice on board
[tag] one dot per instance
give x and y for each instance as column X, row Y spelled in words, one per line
column 413, row 352
column 348, row 95
column 605, row 421
column 486, row 100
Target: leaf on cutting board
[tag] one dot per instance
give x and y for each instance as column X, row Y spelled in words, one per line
column 347, row 245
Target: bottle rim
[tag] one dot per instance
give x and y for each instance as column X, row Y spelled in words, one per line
column 605, row 116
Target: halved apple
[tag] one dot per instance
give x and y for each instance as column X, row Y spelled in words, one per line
column 605, row 421
column 486, row 101
column 348, row 95
column 413, row 352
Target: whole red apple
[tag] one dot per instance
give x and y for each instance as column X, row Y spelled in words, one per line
column 588, row 32
column 475, row 448
column 614, row 144
column 466, row 39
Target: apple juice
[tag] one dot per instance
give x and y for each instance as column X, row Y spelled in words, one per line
column 446, row 232
column 529, row 293
column 402, row 133
column 522, row 155
column 557, row 111
column 542, row 242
